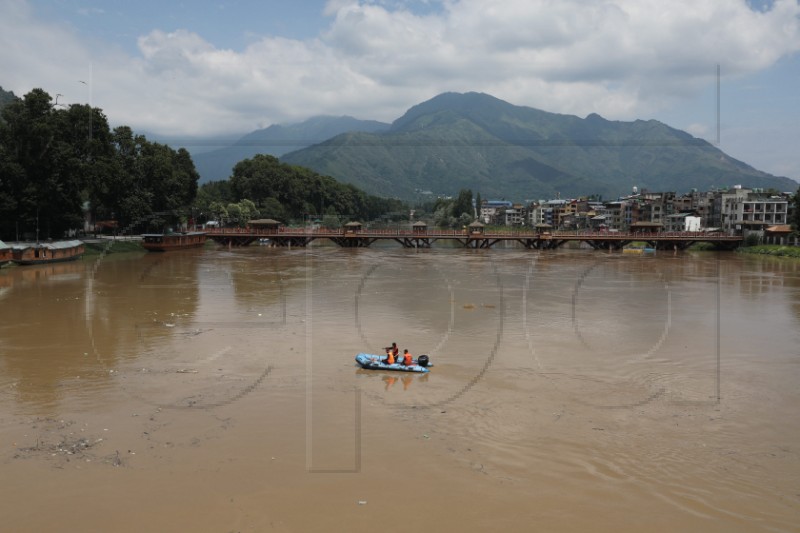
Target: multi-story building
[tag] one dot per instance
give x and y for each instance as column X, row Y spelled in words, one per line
column 682, row 222
column 491, row 211
column 698, row 203
column 536, row 215
column 739, row 209
column 554, row 209
column 655, row 206
column 618, row 214
column 515, row 215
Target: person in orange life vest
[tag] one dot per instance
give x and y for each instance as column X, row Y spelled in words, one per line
column 407, row 360
column 390, row 357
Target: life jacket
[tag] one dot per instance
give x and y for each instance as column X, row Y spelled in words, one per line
column 390, row 358
column 407, row 360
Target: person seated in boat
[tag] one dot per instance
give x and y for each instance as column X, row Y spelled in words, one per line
column 407, row 359
column 394, row 349
column 390, row 360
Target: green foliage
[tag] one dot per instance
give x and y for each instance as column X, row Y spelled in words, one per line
column 463, row 205
column 217, row 211
column 751, row 240
column 772, row 249
column 796, row 218
column 272, row 208
column 235, row 215
column 300, row 192
column 52, row 160
column 44, row 165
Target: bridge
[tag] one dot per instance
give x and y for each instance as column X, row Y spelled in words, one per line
column 424, row 238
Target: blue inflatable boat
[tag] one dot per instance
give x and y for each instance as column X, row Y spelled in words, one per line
column 378, row 362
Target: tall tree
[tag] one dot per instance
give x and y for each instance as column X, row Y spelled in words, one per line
column 52, row 160
column 463, row 204
column 38, row 169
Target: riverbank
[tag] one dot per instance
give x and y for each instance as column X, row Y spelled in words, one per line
column 772, row 249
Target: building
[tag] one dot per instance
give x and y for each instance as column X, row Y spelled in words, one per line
column 697, row 203
column 618, row 215
column 682, row 222
column 654, row 206
column 514, row 216
column 492, row 211
column 741, row 210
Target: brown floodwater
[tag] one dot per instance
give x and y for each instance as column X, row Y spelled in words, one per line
column 215, row 390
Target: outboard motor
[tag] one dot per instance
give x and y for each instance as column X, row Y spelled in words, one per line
column 423, row 360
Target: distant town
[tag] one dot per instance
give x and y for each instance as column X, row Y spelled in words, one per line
column 765, row 213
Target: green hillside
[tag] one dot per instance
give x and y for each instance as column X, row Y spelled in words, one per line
column 476, row 141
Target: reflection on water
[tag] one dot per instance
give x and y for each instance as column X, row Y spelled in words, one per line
column 657, row 393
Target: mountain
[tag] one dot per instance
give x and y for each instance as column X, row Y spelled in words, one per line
column 477, row 141
column 277, row 140
column 6, row 97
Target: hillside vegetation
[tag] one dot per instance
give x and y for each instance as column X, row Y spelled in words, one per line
column 476, row 141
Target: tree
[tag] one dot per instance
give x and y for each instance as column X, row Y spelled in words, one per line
column 53, row 160
column 463, row 204
column 301, row 191
column 212, row 191
column 218, row 211
column 235, row 214
column 148, row 179
column 248, row 210
column 442, row 216
column 45, row 163
column 272, row 208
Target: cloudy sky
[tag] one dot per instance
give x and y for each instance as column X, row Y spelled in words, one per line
column 216, row 67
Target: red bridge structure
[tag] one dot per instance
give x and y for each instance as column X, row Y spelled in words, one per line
column 354, row 236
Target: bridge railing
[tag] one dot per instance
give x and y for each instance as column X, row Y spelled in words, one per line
column 456, row 233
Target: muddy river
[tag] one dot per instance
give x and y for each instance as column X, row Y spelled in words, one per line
column 215, row 391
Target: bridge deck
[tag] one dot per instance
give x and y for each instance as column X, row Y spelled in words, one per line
column 423, row 239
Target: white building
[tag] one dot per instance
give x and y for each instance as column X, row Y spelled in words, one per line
column 682, row 222
column 742, row 209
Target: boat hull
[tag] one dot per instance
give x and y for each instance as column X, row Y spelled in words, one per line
column 44, row 253
column 173, row 241
column 46, row 261
column 369, row 361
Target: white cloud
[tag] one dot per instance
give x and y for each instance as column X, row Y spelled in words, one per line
column 621, row 58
